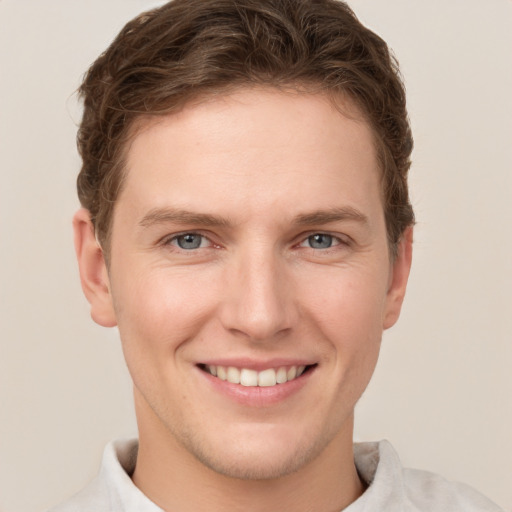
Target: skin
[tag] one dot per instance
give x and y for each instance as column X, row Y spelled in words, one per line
column 258, row 173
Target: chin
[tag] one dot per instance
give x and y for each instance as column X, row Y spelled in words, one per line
column 248, row 467
column 261, row 459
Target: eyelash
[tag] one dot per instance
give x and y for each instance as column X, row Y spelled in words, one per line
column 335, row 239
column 169, row 241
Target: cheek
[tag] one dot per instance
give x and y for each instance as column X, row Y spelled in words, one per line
column 159, row 309
column 347, row 303
column 158, row 312
column 347, row 308
column 344, row 312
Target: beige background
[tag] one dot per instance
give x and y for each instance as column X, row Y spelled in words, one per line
column 442, row 393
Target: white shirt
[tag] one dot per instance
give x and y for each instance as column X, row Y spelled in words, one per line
column 391, row 488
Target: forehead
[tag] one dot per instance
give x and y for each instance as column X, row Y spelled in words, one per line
column 262, row 110
column 255, row 147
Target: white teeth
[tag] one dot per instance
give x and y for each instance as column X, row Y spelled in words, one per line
column 248, row 377
column 267, row 378
column 292, row 373
column 252, row 378
column 281, row 376
column 233, row 375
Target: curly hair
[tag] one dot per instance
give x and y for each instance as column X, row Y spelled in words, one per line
column 168, row 56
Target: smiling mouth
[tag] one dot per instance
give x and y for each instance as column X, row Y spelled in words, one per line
column 252, row 378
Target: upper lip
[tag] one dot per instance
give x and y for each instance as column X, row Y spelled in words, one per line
column 258, row 365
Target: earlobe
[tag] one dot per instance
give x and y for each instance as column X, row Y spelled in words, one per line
column 93, row 270
column 398, row 280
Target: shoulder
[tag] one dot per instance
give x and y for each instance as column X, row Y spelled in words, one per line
column 94, row 497
column 112, row 490
column 395, row 488
column 428, row 491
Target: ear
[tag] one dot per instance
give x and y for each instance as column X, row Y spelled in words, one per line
column 399, row 276
column 93, row 270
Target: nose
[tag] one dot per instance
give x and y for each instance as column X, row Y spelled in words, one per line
column 259, row 303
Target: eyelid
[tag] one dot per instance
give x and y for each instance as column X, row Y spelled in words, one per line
column 335, row 243
column 340, row 238
column 168, row 239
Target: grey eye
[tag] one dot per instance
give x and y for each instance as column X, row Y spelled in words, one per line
column 320, row 241
column 189, row 241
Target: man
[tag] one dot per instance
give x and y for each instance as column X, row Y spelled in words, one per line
column 246, row 224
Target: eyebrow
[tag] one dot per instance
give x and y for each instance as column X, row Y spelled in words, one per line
column 180, row 216
column 331, row 215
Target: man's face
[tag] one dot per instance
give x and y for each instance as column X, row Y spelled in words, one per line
column 249, row 240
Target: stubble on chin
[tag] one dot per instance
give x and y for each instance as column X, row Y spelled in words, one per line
column 239, row 462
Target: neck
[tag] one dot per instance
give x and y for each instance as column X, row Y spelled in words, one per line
column 175, row 480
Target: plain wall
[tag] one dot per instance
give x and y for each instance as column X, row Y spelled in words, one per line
column 442, row 391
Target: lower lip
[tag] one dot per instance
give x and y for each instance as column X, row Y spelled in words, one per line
column 258, row 396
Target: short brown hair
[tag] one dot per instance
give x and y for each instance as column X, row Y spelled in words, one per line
column 165, row 57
